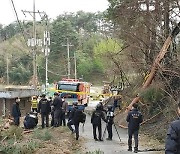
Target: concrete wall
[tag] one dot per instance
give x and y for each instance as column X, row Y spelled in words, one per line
column 25, row 105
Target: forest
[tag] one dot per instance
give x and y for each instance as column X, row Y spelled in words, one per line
column 118, row 45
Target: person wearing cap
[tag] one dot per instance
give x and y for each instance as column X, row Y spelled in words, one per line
column 96, row 117
column 16, row 113
column 134, row 120
column 44, row 108
column 57, row 104
column 172, row 145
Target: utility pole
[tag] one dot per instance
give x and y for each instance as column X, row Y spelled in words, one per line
column 68, row 57
column 34, row 48
column 75, row 66
column 33, row 44
column 46, row 49
column 7, row 69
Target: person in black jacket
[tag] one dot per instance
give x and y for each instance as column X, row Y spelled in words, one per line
column 16, row 113
column 134, row 119
column 30, row 121
column 73, row 120
column 57, row 103
column 172, row 145
column 44, row 108
column 96, row 117
column 110, row 121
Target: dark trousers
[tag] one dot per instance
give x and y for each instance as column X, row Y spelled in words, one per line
column 130, row 134
column 52, row 118
column 34, row 109
column 57, row 114
column 99, row 130
column 43, row 117
column 109, row 129
column 62, row 119
column 16, row 121
column 76, row 125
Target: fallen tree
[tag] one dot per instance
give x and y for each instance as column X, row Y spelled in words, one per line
column 156, row 63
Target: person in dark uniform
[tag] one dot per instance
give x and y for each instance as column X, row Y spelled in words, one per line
column 44, row 108
column 52, row 111
column 172, row 145
column 73, row 120
column 134, row 119
column 16, row 113
column 30, row 121
column 57, row 103
column 110, row 121
column 63, row 114
column 96, row 117
column 101, row 106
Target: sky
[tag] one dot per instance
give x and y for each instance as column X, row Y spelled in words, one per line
column 53, row 8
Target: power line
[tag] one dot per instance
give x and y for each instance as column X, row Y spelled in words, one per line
column 22, row 29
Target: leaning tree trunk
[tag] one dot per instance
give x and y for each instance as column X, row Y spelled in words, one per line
column 157, row 61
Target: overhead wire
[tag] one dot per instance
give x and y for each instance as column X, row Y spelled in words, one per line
column 17, row 18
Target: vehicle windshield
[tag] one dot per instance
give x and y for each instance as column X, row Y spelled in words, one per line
column 68, row 87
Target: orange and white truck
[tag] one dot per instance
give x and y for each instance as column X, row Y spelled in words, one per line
column 73, row 90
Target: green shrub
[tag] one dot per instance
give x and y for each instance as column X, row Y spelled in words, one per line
column 152, row 94
column 13, row 132
column 19, row 148
column 95, row 152
column 44, row 134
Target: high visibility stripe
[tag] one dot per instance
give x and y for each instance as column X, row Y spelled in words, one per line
column 34, row 104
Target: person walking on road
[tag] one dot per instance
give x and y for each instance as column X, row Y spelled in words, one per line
column 73, row 120
column 96, row 117
column 16, row 113
column 110, row 121
column 57, row 103
column 44, row 108
column 134, row 119
column 172, row 145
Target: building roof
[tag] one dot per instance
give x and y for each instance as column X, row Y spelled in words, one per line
column 13, row 92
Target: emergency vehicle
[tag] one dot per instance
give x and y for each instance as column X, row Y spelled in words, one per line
column 73, row 90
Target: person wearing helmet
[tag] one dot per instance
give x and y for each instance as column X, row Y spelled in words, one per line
column 73, row 120
column 110, row 121
column 34, row 104
column 57, row 103
column 96, row 117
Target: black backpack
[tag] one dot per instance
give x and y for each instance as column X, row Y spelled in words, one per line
column 81, row 116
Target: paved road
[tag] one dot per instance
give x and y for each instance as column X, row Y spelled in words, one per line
column 108, row 147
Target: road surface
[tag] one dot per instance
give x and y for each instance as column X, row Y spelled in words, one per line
column 107, row 147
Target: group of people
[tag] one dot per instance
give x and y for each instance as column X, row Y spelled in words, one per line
column 134, row 119
column 57, row 107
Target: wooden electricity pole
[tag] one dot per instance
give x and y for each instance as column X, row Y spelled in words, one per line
column 157, row 61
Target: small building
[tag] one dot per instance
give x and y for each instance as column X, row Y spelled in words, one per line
column 9, row 94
